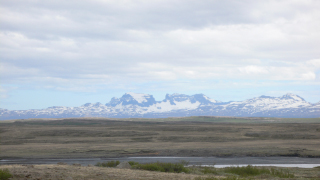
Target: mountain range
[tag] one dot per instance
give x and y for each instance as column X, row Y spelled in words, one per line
column 177, row 105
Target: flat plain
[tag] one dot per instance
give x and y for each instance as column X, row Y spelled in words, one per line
column 189, row 136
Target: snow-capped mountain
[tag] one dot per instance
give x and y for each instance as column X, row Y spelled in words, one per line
column 266, row 103
column 202, row 99
column 144, row 105
column 143, row 100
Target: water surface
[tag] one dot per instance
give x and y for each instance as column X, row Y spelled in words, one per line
column 218, row 162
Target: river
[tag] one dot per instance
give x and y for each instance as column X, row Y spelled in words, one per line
column 218, row 162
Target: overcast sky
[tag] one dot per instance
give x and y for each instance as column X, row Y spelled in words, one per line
column 67, row 53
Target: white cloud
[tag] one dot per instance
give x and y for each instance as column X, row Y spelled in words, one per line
column 87, row 45
column 315, row 63
column 252, row 70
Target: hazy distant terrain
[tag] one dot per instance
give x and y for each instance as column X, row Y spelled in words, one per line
column 133, row 105
column 191, row 136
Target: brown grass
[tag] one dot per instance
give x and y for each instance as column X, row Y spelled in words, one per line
column 69, row 172
column 72, row 138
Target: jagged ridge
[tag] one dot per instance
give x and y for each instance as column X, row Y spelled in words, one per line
column 144, row 105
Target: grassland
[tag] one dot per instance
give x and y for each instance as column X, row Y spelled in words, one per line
column 190, row 136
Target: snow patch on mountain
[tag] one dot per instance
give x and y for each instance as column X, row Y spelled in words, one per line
column 209, row 99
column 200, row 98
column 143, row 100
column 144, row 105
column 140, row 98
column 167, row 106
column 292, row 96
column 266, row 103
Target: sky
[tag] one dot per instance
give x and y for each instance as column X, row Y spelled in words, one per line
column 68, row 53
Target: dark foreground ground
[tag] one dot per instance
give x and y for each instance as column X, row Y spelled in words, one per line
column 72, row 172
column 192, row 136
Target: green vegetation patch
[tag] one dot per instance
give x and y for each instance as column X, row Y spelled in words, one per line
column 247, row 171
column 108, row 164
column 254, row 171
column 281, row 173
column 163, row 167
column 207, row 170
column 5, row 174
column 133, row 163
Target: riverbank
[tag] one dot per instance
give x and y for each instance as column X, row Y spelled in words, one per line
column 77, row 172
column 70, row 172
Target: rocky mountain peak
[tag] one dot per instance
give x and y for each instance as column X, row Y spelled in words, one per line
column 177, row 105
column 266, row 97
column 93, row 104
column 201, row 98
column 143, row 100
column 292, row 96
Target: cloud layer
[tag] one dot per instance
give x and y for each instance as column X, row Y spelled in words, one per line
column 90, row 45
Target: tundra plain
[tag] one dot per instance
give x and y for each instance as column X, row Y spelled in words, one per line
column 190, row 136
